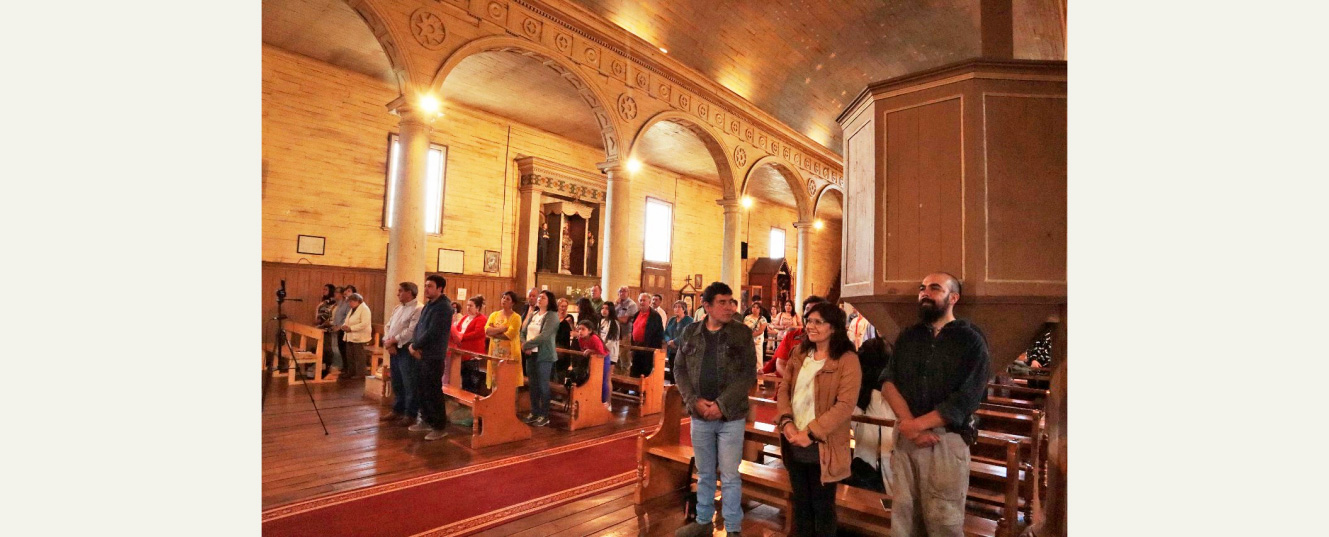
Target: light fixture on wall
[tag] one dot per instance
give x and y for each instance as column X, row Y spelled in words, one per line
column 747, row 202
column 818, row 224
column 634, row 165
column 664, row 50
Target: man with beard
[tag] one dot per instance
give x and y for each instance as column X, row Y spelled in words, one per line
column 934, row 384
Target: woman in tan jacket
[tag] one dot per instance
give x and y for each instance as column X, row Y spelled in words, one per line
column 815, row 401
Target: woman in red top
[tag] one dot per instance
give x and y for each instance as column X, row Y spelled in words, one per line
column 589, row 342
column 468, row 334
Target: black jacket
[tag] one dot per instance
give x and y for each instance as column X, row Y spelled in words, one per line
column 948, row 373
column 654, row 332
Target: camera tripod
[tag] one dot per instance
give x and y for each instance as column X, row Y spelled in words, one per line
column 277, row 362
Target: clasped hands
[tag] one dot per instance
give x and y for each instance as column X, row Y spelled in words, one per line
column 708, row 409
column 912, row 430
column 796, row 437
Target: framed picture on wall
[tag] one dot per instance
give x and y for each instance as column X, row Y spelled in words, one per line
column 697, row 282
column 310, row 244
column 450, row 261
column 491, row 261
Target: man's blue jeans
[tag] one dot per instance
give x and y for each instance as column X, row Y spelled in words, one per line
column 719, row 444
column 403, row 383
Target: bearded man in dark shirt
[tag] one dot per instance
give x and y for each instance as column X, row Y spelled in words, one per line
column 934, row 383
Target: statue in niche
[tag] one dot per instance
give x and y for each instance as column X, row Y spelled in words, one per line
column 542, row 246
column 590, row 243
column 566, row 256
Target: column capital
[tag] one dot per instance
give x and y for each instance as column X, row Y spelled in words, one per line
column 728, row 204
column 411, row 112
column 803, row 226
column 613, row 168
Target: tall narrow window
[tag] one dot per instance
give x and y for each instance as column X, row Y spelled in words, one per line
column 777, row 243
column 434, row 170
column 659, row 230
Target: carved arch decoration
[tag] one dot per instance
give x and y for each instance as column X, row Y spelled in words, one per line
column 709, row 137
column 792, row 177
column 386, row 39
column 816, row 207
column 590, row 93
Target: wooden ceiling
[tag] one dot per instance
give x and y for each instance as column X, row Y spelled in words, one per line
column 803, row 61
column 800, row 60
column 326, row 30
column 510, row 85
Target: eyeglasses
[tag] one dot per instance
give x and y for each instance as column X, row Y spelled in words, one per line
column 816, row 322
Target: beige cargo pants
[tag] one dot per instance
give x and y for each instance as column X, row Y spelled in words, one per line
column 927, row 497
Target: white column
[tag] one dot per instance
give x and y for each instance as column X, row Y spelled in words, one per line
column 801, row 280
column 730, row 265
column 614, row 268
column 406, row 239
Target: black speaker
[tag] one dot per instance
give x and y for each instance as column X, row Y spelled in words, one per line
column 744, row 254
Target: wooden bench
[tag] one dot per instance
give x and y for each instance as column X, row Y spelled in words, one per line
column 1033, row 396
column 763, row 381
column 663, row 467
column 307, row 342
column 495, row 414
column 650, row 389
column 374, row 350
column 582, row 403
column 1010, row 496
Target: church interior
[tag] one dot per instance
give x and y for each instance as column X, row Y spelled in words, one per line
column 791, row 149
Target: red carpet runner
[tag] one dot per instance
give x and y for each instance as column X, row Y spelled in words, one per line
column 466, row 499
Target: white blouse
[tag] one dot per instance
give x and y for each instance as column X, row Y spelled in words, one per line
column 803, row 401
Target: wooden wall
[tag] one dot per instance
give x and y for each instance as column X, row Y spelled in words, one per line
column 325, row 148
column 305, row 282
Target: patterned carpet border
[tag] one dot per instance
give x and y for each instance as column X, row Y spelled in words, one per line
column 343, row 497
column 494, row 518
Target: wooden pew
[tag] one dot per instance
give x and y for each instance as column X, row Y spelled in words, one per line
column 374, row 349
column 1012, row 452
column 764, row 381
column 650, row 389
column 307, row 342
column 582, row 403
column 663, row 466
column 1035, row 396
column 495, row 414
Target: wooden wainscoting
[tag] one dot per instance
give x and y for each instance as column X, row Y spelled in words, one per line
column 305, row 282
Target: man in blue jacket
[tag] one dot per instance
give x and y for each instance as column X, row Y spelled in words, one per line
column 429, row 345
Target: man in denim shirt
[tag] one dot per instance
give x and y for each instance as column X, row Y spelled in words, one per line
column 715, row 368
column 933, row 384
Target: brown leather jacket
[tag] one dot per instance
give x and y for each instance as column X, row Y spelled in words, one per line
column 835, row 396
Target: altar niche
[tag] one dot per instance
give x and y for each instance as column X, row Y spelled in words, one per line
column 567, row 238
column 560, row 227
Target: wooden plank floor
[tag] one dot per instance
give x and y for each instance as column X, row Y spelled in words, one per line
column 612, row 513
column 300, row 462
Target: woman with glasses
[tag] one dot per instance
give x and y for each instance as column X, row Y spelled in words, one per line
column 815, row 402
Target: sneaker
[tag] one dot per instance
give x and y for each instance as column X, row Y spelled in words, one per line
column 695, row 529
column 528, row 418
column 609, row 407
column 419, row 426
column 406, row 421
column 436, row 434
column 540, row 421
column 392, row 416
